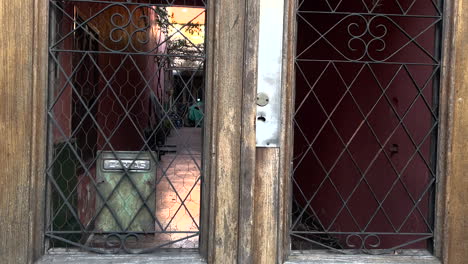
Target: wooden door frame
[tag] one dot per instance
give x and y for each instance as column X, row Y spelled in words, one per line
column 233, row 208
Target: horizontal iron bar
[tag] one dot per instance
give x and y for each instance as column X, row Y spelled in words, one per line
column 367, row 14
column 359, row 233
column 369, row 62
column 128, row 53
column 121, row 232
column 129, row 3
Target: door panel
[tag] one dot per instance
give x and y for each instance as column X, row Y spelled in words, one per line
column 24, row 93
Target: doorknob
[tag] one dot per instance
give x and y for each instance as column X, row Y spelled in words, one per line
column 262, row 99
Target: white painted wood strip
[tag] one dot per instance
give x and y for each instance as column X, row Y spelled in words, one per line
column 270, row 65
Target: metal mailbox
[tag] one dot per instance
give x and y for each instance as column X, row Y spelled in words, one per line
column 130, row 196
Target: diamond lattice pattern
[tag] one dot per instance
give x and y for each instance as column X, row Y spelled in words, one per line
column 127, row 84
column 365, row 124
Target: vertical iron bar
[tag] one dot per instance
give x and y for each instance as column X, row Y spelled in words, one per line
column 52, row 74
column 435, row 135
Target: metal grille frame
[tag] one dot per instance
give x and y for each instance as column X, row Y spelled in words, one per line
column 363, row 36
column 65, row 227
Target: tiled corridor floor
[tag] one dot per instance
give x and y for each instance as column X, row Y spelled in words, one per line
column 178, row 191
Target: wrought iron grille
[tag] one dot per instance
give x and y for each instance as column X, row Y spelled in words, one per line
column 365, row 125
column 125, row 124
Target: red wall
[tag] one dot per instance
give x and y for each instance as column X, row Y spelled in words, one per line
column 369, row 152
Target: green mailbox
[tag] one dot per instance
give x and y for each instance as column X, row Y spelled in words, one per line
column 130, row 197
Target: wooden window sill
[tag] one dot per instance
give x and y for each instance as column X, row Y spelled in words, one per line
column 320, row 257
column 89, row 258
